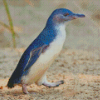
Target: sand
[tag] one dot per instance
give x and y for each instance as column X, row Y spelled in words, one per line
column 78, row 68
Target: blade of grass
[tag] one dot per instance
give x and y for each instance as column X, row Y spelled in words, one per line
column 10, row 23
column 30, row 3
column 7, row 27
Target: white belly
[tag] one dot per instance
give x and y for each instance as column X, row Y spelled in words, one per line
column 45, row 60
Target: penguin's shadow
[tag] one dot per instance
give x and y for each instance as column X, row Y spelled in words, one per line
column 18, row 91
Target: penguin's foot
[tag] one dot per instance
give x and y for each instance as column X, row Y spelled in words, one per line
column 24, row 89
column 56, row 84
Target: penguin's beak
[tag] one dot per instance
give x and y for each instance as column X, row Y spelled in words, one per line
column 74, row 16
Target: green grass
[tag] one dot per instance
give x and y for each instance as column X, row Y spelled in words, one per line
column 10, row 23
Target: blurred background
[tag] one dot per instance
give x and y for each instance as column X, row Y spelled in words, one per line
column 30, row 16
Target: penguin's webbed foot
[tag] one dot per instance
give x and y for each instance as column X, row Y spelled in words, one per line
column 24, row 89
column 56, row 84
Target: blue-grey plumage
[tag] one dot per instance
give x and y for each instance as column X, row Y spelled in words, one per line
column 42, row 52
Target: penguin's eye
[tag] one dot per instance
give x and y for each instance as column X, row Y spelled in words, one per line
column 66, row 14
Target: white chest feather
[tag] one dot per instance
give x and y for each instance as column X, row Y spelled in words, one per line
column 45, row 60
column 55, row 47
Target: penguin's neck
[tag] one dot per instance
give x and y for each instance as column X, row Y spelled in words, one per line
column 54, row 31
column 61, row 33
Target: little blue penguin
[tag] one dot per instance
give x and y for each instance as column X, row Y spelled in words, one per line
column 41, row 53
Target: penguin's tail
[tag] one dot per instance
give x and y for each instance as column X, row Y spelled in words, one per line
column 10, row 84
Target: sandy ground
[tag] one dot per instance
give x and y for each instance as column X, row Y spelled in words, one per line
column 79, row 69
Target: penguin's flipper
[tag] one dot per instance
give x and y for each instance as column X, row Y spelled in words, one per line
column 34, row 54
